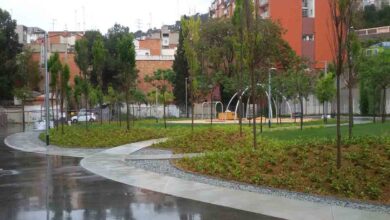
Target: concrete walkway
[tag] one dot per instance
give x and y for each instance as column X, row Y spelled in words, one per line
column 30, row 142
column 111, row 164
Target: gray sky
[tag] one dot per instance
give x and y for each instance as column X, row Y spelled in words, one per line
column 100, row 14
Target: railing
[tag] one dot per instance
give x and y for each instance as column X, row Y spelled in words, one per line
column 144, row 57
column 371, row 31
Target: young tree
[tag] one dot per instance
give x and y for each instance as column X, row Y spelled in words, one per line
column 55, row 67
column 325, row 91
column 162, row 80
column 111, row 98
column 299, row 81
column 339, row 12
column 98, row 58
column 129, row 73
column 353, row 53
column 259, row 42
column 64, row 87
column 82, row 60
column 190, row 29
column 77, row 91
column 375, row 73
column 180, row 67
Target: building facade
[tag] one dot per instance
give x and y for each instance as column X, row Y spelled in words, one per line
column 155, row 51
column 307, row 25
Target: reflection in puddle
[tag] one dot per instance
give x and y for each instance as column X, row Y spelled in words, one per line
column 57, row 188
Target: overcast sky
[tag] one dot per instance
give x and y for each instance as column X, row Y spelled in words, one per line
column 100, row 14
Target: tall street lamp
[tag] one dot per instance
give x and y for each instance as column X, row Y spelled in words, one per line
column 47, row 124
column 269, row 97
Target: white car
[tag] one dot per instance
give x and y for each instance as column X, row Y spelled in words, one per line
column 83, row 116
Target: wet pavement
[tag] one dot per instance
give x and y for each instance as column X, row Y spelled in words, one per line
column 34, row 186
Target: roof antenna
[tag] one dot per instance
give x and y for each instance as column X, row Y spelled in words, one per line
column 53, row 22
column 83, row 18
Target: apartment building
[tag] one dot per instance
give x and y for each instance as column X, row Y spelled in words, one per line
column 155, row 50
column 307, row 24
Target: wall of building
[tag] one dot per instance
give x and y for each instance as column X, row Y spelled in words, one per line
column 289, row 15
column 323, row 33
column 148, row 67
column 154, row 45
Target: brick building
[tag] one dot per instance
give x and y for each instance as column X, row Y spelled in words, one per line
column 307, row 24
column 155, row 51
column 63, row 43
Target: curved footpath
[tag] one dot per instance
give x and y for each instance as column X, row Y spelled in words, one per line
column 111, row 164
column 30, row 142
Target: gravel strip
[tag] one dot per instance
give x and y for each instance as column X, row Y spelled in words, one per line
column 151, row 151
column 165, row 167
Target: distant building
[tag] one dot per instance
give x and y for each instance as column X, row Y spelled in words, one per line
column 27, row 35
column 155, row 50
column 307, row 24
column 61, row 42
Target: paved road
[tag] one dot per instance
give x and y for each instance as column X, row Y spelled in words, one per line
column 34, row 186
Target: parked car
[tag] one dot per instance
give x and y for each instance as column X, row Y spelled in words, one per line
column 297, row 114
column 83, row 116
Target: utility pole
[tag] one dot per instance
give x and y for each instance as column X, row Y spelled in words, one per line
column 47, row 93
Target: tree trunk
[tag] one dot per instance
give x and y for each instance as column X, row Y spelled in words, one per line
column 301, row 103
column 86, row 112
column 62, row 112
column 192, row 116
column 338, row 129
column 119, row 114
column 350, row 108
column 324, row 111
column 101, row 114
column 165, row 119
column 52, row 108
column 261, row 116
column 253, row 95
column 23, row 117
column 127, row 113
column 384, row 106
column 57, row 110
column 133, row 115
column 240, row 111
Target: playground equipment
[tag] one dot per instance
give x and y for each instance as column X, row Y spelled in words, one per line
column 215, row 107
column 240, row 99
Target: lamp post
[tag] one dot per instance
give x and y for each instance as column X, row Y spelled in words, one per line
column 46, row 91
column 269, row 97
column 186, row 83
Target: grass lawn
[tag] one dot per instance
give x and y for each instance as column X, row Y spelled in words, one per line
column 110, row 135
column 296, row 160
column 101, row 136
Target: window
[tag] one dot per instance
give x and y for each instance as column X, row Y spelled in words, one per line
column 308, row 37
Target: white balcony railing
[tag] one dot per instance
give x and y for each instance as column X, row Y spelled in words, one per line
column 370, row 31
